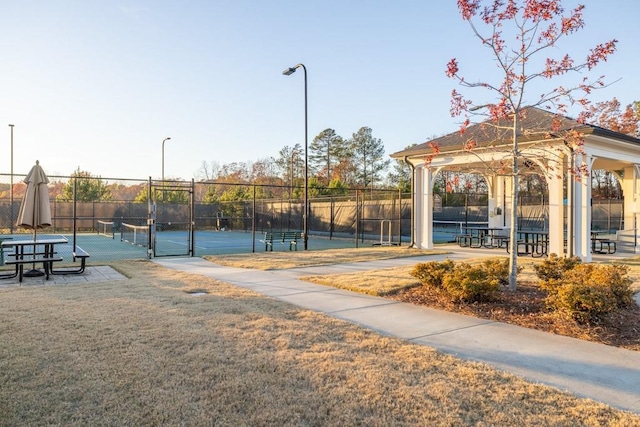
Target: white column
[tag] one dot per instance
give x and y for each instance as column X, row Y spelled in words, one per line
column 426, row 191
column 506, row 193
column 556, row 209
column 630, row 190
column 494, row 203
column 582, row 210
column 418, row 205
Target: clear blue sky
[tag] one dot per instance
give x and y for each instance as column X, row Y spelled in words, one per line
column 99, row 84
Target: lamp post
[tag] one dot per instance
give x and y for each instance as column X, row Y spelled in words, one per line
column 11, row 185
column 305, row 215
column 294, row 153
column 163, row 141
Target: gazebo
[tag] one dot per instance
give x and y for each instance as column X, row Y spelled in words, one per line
column 547, row 145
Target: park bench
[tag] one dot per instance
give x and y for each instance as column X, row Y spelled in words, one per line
column 282, row 237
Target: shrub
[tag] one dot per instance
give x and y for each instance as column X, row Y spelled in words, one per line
column 498, row 269
column 464, row 282
column 554, row 267
column 470, row 283
column 431, row 273
column 589, row 291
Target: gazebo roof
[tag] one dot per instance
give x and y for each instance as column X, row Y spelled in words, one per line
column 535, row 124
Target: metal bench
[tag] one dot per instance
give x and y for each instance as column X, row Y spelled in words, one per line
column 283, row 237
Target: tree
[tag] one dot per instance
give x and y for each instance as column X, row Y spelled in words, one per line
column 208, row 171
column 236, row 172
column 290, row 165
column 233, row 201
column 163, row 196
column 368, row 153
column 88, row 188
column 400, row 176
column 605, row 185
column 518, row 33
column 607, row 114
column 210, row 196
column 325, row 152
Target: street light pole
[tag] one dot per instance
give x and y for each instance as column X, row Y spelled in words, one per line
column 305, row 215
column 11, row 185
column 163, row 141
column 293, row 153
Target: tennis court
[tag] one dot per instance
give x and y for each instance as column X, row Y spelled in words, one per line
column 176, row 243
column 132, row 242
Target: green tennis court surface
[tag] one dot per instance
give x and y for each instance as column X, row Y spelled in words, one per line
column 108, row 247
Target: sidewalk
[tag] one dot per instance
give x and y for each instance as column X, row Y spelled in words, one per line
column 606, row 374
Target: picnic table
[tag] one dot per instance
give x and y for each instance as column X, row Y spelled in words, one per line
column 602, row 245
column 532, row 242
column 2, row 239
column 32, row 251
column 479, row 236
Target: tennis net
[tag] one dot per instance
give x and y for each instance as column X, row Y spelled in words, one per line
column 135, row 234
column 106, row 228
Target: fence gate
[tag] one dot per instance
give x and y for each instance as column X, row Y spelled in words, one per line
column 171, row 218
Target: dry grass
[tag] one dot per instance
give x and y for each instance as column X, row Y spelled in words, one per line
column 384, row 282
column 145, row 351
column 283, row 260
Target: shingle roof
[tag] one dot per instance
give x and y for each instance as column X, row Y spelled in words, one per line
column 535, row 123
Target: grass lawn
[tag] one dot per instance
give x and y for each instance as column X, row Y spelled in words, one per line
column 147, row 351
column 293, row 259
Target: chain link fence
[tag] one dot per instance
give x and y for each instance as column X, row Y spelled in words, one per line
column 94, row 212
column 105, row 215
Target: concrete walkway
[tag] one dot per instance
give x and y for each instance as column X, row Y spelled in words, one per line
column 606, row 374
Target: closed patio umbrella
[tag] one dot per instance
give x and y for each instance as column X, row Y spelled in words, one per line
column 35, row 211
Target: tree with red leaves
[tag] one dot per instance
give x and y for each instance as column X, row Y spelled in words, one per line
column 608, row 114
column 516, row 34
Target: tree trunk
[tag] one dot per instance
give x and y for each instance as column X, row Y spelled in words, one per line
column 513, row 234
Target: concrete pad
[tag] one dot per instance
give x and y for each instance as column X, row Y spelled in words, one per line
column 91, row 274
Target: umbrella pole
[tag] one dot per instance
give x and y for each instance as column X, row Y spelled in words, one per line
column 34, row 272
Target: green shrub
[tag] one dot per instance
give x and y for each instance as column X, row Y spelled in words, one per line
column 589, row 291
column 554, row 267
column 470, row 283
column 431, row 273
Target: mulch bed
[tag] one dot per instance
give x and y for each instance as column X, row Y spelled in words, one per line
column 525, row 307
